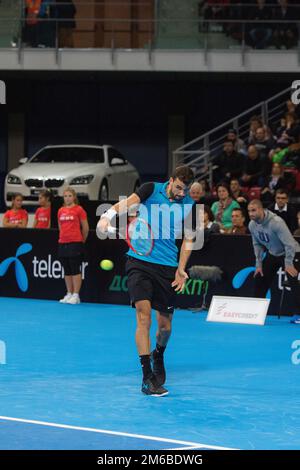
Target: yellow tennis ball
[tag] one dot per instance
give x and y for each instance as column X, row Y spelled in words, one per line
column 106, row 264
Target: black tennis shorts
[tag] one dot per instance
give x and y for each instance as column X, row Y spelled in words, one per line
column 71, row 257
column 150, row 281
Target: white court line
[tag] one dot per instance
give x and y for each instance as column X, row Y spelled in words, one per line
column 189, row 448
column 115, row 433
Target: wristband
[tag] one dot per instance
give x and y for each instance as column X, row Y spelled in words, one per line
column 110, row 214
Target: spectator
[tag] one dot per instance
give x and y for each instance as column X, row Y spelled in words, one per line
column 277, row 180
column 281, row 128
column 254, row 170
column 66, row 11
column 285, row 34
column 206, row 197
column 237, row 11
column 16, row 217
column 229, row 163
column 42, row 217
column 291, row 132
column 292, row 107
column 196, row 191
column 238, row 223
column 237, row 192
column 223, row 208
column 210, row 226
column 292, row 127
column 283, row 209
column 260, row 32
column 255, row 123
column 46, row 28
column 31, row 25
column 262, row 142
column 239, row 144
column 209, row 221
column 297, row 231
column 214, row 9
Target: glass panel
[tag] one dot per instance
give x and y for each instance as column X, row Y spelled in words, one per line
column 163, row 24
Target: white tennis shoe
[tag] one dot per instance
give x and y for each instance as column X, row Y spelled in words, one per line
column 74, row 299
column 66, row 298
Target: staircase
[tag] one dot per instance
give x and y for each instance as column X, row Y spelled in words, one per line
column 10, row 27
column 201, row 152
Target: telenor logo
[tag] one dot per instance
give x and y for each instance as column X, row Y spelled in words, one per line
column 21, row 276
column 240, row 278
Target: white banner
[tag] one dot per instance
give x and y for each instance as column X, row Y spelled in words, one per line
column 246, row 310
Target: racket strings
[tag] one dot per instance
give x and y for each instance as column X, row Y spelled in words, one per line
column 140, row 237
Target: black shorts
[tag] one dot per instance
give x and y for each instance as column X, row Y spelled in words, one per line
column 71, row 257
column 149, row 281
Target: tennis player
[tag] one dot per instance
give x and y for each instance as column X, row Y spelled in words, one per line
column 154, row 279
column 270, row 234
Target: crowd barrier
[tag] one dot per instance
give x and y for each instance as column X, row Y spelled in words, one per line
column 30, row 268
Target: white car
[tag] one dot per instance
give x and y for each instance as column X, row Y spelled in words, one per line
column 95, row 172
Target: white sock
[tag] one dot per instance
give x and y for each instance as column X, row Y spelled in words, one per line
column 75, row 294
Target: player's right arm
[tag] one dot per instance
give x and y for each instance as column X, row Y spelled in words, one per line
column 134, row 199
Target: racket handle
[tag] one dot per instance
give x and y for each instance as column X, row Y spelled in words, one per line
column 100, row 233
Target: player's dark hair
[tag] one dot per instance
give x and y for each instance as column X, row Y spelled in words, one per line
column 184, row 173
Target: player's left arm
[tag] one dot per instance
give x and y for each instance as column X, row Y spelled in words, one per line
column 181, row 275
column 189, row 228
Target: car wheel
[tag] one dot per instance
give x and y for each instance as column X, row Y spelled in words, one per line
column 136, row 186
column 103, row 192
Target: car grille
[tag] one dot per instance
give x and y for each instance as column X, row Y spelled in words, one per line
column 34, row 183
column 54, row 183
column 48, row 183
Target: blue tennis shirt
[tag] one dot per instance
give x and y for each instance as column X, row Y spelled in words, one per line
column 166, row 220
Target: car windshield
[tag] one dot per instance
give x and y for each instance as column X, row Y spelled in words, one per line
column 69, row 155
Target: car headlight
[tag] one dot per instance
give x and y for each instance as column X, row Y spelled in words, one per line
column 13, row 179
column 82, row 179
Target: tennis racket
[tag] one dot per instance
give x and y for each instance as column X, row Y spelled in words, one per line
column 139, row 236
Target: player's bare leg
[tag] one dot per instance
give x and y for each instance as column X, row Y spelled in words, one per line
column 163, row 334
column 143, row 315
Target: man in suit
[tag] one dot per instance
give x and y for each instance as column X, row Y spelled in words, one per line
column 285, row 210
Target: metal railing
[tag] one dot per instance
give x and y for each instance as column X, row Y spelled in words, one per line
column 201, row 152
column 198, row 33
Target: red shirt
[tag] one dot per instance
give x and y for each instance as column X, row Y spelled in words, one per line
column 69, row 219
column 16, row 216
column 42, row 217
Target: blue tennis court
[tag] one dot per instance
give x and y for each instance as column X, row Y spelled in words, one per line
column 70, row 379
